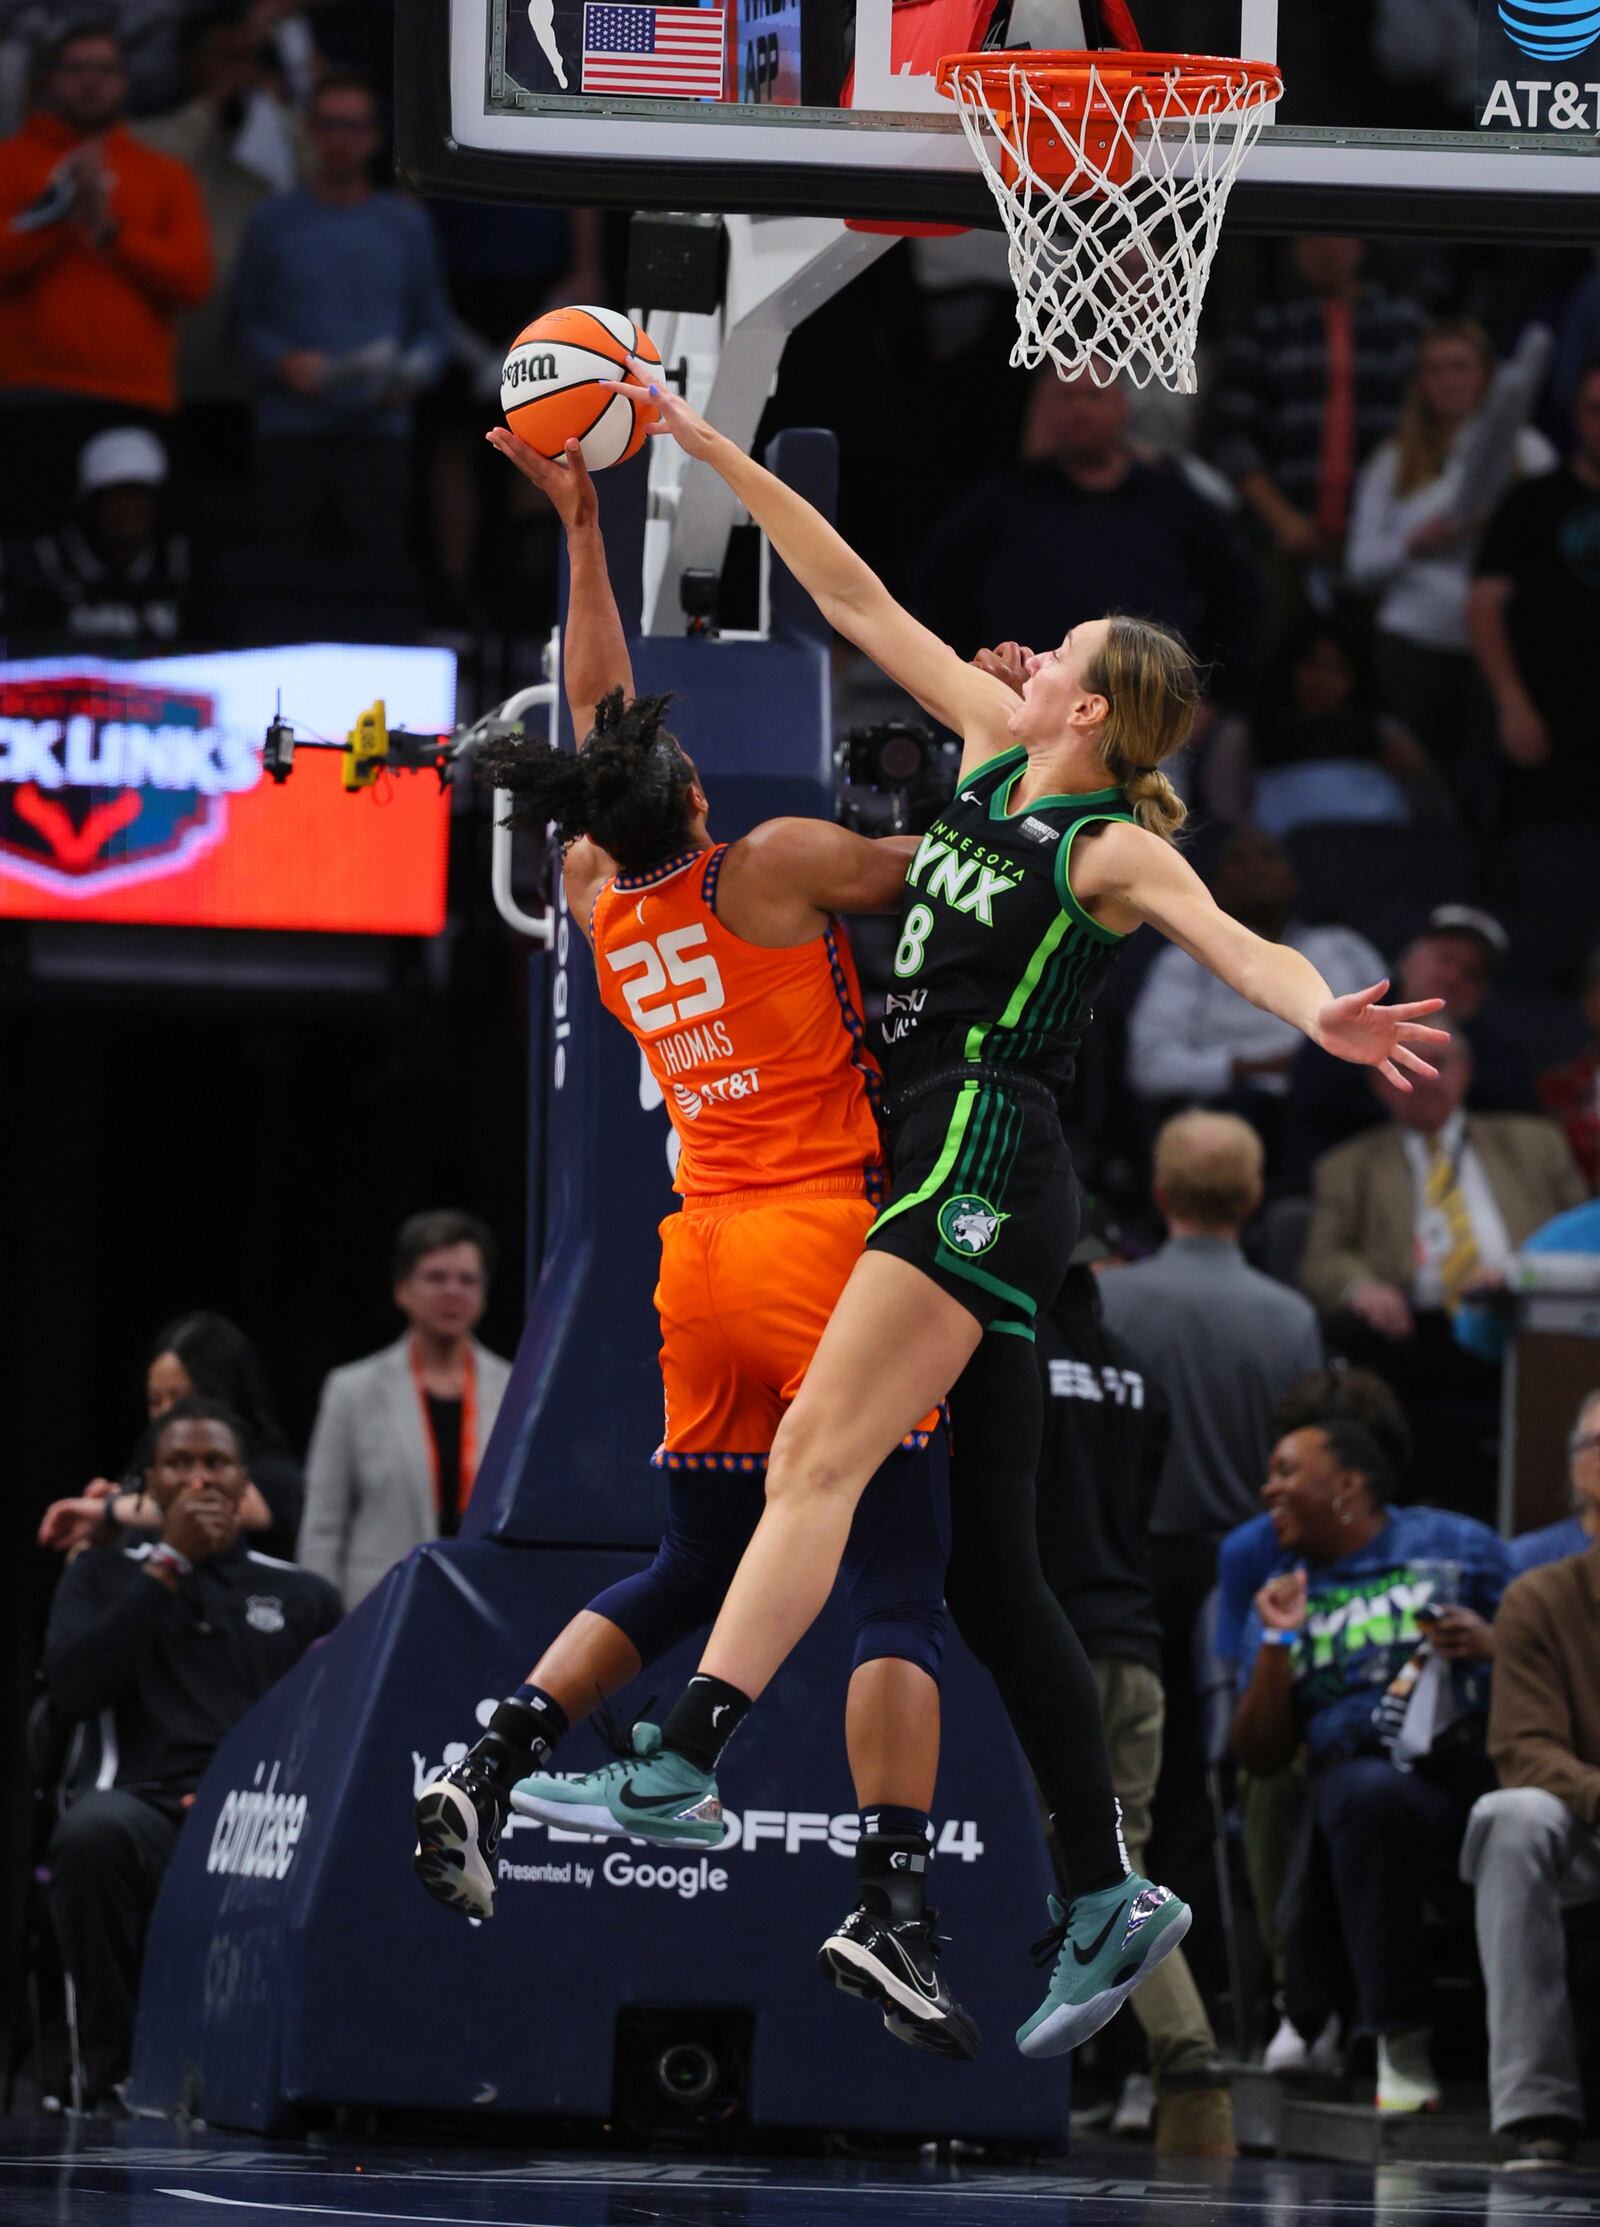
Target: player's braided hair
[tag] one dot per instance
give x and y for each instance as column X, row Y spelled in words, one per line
column 627, row 788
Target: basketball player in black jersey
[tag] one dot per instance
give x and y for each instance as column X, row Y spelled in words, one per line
column 1054, row 849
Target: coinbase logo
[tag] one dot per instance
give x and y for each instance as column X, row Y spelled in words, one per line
column 1550, row 30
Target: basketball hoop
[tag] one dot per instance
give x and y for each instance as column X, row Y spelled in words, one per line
column 1111, row 171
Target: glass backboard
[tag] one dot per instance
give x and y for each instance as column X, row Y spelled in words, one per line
column 1471, row 118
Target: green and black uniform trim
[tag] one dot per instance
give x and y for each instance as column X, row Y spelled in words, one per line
column 994, row 979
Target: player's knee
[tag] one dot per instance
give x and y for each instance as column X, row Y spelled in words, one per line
column 807, row 1468
column 907, row 1634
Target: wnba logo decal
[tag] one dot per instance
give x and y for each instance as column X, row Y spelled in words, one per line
column 1550, row 30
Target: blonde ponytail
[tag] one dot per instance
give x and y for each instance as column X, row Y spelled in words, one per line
column 1151, row 684
column 1156, row 803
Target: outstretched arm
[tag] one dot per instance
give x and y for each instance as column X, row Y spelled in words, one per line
column 594, row 649
column 845, row 589
column 1126, row 875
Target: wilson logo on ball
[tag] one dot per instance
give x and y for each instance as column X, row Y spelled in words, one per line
column 552, row 392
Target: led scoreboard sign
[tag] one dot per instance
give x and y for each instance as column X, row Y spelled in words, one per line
column 136, row 793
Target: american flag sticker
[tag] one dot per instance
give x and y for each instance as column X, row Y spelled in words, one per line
column 676, row 52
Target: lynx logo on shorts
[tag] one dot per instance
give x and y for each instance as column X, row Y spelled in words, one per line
column 969, row 1224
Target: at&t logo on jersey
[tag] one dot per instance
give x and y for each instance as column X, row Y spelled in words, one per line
column 111, row 782
column 743, row 1083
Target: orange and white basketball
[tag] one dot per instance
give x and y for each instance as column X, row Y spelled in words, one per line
column 550, row 390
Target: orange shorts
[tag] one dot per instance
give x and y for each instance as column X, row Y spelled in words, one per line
column 748, row 1281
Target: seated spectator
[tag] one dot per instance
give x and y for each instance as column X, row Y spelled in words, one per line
column 1533, row 1849
column 1224, row 1343
column 340, row 313
column 1409, row 1221
column 1536, row 592
column 103, row 243
column 1307, row 390
column 1411, row 547
column 1082, row 525
column 1570, row 1093
column 1575, row 1534
column 1317, row 747
column 197, row 1356
column 1191, row 1037
column 175, row 1638
column 1389, row 1704
column 398, row 1437
column 1269, row 1806
column 116, row 579
column 236, row 135
column 1106, row 1432
column 1454, row 958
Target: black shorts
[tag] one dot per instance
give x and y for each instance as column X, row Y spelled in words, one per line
column 983, row 1197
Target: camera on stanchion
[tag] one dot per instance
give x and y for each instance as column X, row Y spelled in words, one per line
column 894, row 777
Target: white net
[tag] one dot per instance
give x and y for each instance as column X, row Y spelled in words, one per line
column 1111, row 264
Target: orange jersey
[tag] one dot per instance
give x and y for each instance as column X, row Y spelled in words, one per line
column 759, row 1055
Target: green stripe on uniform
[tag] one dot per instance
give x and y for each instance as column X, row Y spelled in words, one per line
column 965, row 1101
column 945, row 1258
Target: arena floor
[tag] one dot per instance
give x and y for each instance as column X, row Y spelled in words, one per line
column 148, row 2175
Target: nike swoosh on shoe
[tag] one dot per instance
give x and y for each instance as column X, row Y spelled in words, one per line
column 1088, row 1955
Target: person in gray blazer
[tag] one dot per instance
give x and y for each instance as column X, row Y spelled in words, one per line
column 399, row 1437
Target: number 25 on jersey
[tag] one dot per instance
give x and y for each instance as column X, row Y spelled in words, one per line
column 674, row 961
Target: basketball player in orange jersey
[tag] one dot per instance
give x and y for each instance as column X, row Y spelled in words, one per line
column 1055, row 848
column 726, row 964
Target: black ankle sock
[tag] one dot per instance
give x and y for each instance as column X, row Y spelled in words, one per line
column 1093, row 1857
column 703, row 1719
column 893, row 1853
column 522, row 1735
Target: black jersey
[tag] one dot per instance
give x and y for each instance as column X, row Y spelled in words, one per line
column 997, row 961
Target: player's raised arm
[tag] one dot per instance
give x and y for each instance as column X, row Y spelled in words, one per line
column 1128, row 875
column 594, row 649
column 845, row 589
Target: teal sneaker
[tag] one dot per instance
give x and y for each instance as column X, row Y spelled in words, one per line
column 1103, row 1947
column 652, row 1794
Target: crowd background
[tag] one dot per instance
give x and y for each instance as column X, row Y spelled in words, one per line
column 1379, row 524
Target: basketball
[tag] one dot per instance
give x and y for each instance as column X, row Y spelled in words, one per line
column 550, row 385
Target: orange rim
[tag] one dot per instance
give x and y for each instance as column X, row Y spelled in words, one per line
column 1067, row 76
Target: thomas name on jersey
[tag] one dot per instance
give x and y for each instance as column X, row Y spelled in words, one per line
column 695, row 1047
column 962, row 872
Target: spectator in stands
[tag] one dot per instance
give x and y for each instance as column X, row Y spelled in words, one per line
column 341, row 316
column 1570, row 1093
column 1454, row 958
column 1083, row 524
column 1107, row 1427
column 1576, row 1533
column 1371, row 1695
column 1224, row 1343
column 236, row 134
column 1318, row 746
column 103, row 243
column 1188, row 1041
column 1411, row 1219
column 1535, row 596
column 116, row 578
column 399, row 1436
column 1269, row 1806
column 197, row 1356
column 1412, row 548
column 1307, row 391
column 176, row 1638
column 1533, row 1848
